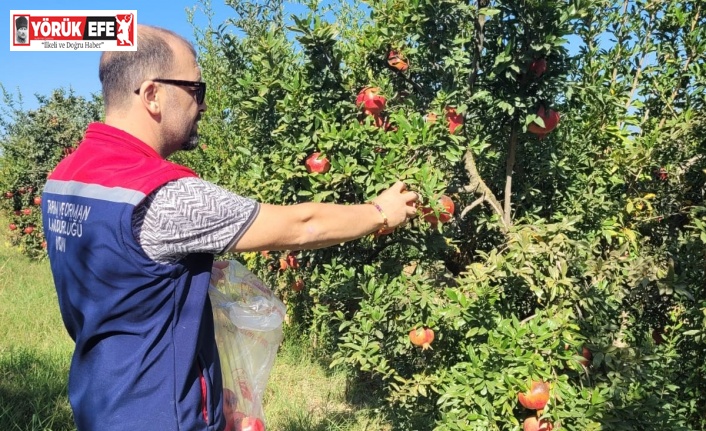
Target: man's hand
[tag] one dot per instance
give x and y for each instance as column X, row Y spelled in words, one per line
column 398, row 204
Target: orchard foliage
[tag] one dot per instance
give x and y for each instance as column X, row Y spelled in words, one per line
column 576, row 251
column 575, row 255
column 31, row 144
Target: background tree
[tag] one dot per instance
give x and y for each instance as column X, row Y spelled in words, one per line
column 31, row 143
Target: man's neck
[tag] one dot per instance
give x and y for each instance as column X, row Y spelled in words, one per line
column 138, row 129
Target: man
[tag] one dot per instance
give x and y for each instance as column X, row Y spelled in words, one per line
column 132, row 239
column 21, row 30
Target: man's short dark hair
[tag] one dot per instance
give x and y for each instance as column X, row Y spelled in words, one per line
column 122, row 72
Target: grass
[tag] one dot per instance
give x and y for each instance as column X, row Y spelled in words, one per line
column 35, row 352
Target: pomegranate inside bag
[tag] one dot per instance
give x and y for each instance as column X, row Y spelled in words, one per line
column 248, row 324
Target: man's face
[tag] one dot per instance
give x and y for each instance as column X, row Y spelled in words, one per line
column 22, row 33
column 181, row 120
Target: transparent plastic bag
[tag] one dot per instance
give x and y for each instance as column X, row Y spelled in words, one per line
column 248, row 325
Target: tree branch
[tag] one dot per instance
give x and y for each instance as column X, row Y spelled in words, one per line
column 509, row 167
column 478, row 47
column 477, row 186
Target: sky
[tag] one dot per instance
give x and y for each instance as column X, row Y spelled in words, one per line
column 31, row 73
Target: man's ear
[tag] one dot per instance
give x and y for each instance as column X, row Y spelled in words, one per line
column 149, row 96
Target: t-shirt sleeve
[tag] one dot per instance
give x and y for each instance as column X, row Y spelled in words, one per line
column 191, row 215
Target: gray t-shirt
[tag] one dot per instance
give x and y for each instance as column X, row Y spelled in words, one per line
column 191, row 215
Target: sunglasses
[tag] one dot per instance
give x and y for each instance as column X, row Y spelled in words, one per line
column 200, row 87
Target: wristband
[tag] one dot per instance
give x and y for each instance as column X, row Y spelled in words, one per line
column 382, row 213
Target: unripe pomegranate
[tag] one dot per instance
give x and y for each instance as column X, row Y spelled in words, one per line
column 422, row 337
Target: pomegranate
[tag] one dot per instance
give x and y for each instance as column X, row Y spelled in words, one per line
column 538, row 67
column 251, row 423
column 371, row 101
column 37, row 200
column 587, row 356
column 534, row 424
column 28, row 230
column 13, row 226
column 550, row 118
column 292, row 261
column 455, row 120
column 422, row 337
column 444, row 215
column 397, row 61
column 27, row 211
column 298, row 285
column 537, row 397
column 657, row 336
column 317, row 164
